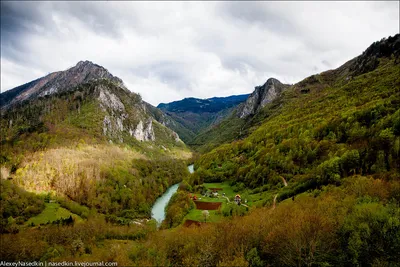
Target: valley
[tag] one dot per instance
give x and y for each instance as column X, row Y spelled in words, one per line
column 291, row 175
column 190, row 117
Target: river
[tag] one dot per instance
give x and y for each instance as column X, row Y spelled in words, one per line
column 158, row 210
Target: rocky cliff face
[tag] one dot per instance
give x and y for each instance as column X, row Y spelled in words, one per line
column 134, row 117
column 144, row 132
column 261, row 96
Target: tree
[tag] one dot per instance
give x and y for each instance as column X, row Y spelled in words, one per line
column 254, row 259
column 205, row 214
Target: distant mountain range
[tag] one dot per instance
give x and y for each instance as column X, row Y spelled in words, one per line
column 194, row 118
column 200, row 123
column 210, row 105
column 191, row 116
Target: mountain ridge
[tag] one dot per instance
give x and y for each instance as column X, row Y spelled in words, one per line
column 234, row 127
column 82, row 72
column 224, row 101
column 124, row 114
column 191, row 116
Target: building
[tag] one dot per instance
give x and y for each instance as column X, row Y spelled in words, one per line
column 238, row 200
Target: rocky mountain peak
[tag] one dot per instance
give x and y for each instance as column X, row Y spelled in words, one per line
column 261, row 96
column 85, row 63
column 85, row 71
column 82, row 72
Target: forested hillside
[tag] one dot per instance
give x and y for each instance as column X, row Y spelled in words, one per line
column 329, row 126
column 322, row 163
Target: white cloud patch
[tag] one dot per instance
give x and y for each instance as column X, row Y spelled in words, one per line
column 170, row 50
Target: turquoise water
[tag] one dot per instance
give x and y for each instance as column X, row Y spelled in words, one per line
column 158, row 210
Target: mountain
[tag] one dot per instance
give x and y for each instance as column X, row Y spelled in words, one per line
column 240, row 119
column 83, row 72
column 267, row 100
column 210, row 105
column 119, row 113
column 82, row 136
column 261, row 96
column 190, row 116
column 328, row 126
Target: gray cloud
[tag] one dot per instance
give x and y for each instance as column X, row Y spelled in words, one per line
column 261, row 12
column 171, row 50
column 169, row 72
column 18, row 17
column 99, row 16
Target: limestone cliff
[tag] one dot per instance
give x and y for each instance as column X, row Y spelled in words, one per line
column 261, row 96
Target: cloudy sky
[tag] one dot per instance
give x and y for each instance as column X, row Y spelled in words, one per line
column 170, row 50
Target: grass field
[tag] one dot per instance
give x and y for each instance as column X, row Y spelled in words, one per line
column 226, row 188
column 196, row 215
column 51, row 213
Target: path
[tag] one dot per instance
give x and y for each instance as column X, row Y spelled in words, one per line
column 285, row 183
column 283, row 180
column 274, row 205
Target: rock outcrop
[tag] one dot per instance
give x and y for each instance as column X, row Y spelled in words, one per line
column 144, row 133
column 261, row 96
column 118, row 120
column 110, row 100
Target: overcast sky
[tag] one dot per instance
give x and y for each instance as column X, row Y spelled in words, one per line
column 168, row 51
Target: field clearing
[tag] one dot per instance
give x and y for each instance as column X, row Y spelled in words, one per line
column 210, row 199
column 225, row 188
column 51, row 213
column 196, row 215
column 215, row 215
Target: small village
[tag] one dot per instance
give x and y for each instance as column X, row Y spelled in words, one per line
column 211, row 203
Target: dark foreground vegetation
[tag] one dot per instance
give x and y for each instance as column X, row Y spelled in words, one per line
column 357, row 223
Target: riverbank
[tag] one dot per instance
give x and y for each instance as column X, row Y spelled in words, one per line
column 158, row 210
